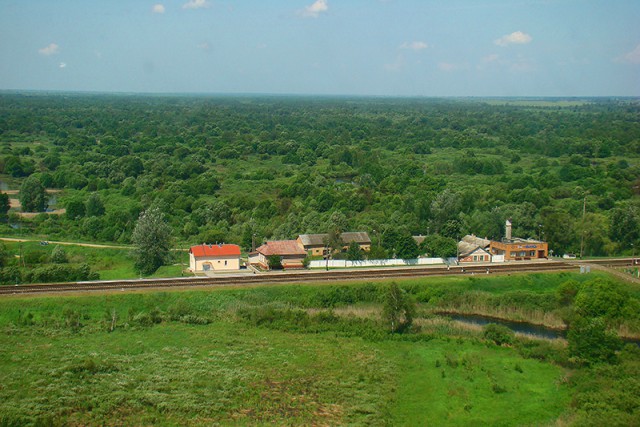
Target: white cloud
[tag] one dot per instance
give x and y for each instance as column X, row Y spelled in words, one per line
column 632, row 57
column 314, row 10
column 158, row 8
column 52, row 49
column 62, row 65
column 415, row 45
column 396, row 65
column 522, row 65
column 519, row 63
column 446, row 66
column 517, row 37
column 491, row 58
column 196, row 4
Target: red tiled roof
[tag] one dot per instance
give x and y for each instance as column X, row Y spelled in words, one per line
column 281, row 247
column 215, row 250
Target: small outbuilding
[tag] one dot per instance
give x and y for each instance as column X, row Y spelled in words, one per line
column 218, row 257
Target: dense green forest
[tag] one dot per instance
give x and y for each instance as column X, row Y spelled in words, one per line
column 233, row 168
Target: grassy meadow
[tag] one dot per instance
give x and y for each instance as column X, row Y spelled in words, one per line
column 289, row 354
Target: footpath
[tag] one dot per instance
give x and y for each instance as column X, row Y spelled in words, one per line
column 617, row 273
column 88, row 245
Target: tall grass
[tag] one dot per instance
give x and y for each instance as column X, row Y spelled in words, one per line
column 290, row 354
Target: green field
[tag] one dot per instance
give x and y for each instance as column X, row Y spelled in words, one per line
column 110, row 264
column 295, row 354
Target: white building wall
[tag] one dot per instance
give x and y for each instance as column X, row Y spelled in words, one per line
column 215, row 263
column 341, row 263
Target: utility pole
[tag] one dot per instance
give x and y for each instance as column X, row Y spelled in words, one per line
column 326, row 256
column 584, row 211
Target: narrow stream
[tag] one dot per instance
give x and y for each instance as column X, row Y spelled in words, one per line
column 534, row 331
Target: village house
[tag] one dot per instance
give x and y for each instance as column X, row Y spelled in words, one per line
column 218, row 257
column 291, row 254
column 474, row 249
column 315, row 244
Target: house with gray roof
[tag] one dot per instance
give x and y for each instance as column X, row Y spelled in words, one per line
column 474, row 249
column 315, row 244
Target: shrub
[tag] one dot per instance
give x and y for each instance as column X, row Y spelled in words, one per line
column 591, row 342
column 59, row 273
column 192, row 319
column 567, row 292
column 498, row 334
column 58, row 255
column 91, row 366
column 10, row 276
column 600, row 298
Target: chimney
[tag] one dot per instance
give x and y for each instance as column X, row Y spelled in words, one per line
column 507, row 233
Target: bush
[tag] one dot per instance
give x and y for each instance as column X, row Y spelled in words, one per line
column 543, row 350
column 58, row 255
column 10, row 276
column 498, row 334
column 192, row 319
column 591, row 342
column 567, row 292
column 59, row 273
column 600, row 298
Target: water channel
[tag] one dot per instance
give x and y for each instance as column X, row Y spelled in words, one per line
column 534, row 331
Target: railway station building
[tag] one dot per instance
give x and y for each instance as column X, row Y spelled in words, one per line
column 517, row 249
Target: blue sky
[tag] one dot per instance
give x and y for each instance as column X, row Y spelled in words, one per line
column 327, row 47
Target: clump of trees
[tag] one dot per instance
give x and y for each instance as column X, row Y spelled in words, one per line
column 33, row 196
column 599, row 306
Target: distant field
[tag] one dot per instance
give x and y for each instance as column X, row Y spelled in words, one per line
column 538, row 102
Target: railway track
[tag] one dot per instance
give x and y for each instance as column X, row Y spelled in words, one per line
column 275, row 278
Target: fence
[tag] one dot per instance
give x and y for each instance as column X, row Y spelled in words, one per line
column 343, row 263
